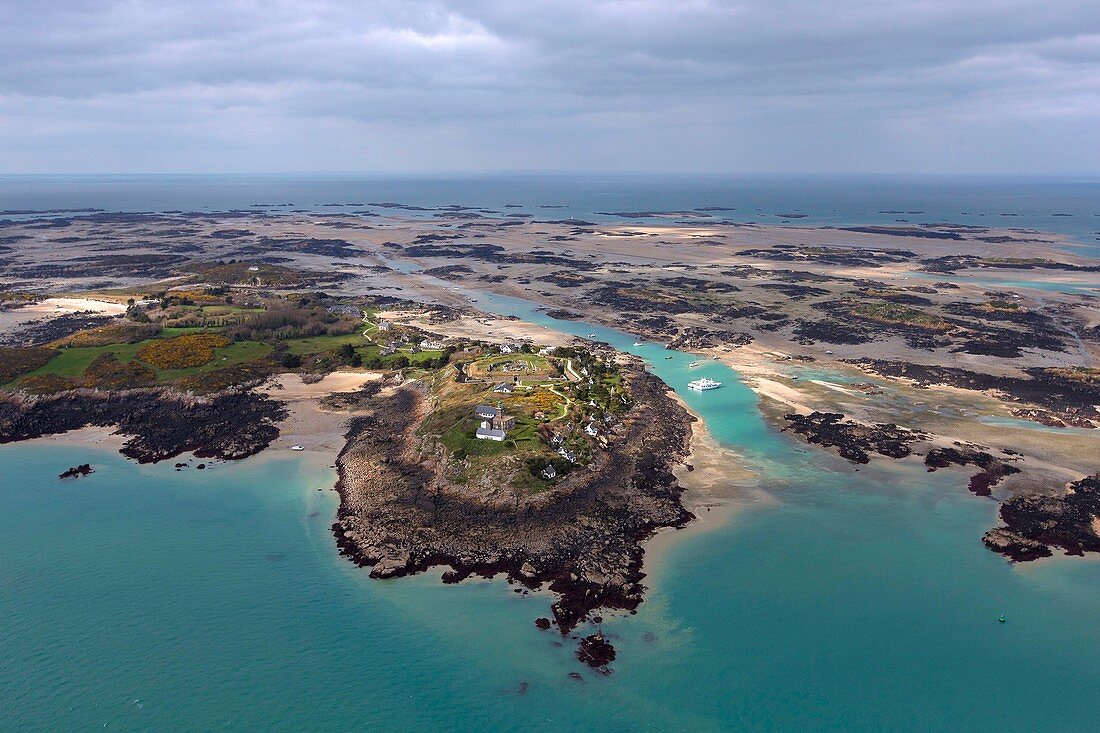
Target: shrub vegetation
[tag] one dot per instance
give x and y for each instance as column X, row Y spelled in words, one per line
column 182, row 352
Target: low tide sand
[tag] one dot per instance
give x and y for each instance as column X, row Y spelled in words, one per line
column 718, row 486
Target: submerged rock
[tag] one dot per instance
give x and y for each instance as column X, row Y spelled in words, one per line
column 77, row 471
column 596, row 652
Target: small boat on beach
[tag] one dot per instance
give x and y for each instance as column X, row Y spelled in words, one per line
column 296, row 447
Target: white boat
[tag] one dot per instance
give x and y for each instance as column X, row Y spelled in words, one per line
column 591, row 335
column 693, row 364
column 637, row 343
column 702, row 385
column 296, row 447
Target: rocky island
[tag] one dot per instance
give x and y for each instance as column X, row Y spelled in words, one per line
column 566, row 509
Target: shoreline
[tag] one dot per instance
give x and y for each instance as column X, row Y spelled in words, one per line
column 319, row 431
column 713, row 493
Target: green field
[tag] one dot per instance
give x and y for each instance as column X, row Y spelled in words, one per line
column 318, row 344
column 73, row 362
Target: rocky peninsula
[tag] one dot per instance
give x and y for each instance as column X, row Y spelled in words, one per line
column 580, row 539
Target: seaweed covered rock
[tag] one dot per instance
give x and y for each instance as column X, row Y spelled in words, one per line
column 1034, row 523
column 161, row 424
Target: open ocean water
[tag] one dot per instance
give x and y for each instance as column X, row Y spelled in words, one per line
column 141, row 598
column 1069, row 207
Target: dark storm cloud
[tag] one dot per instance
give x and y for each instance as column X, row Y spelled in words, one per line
column 692, row 85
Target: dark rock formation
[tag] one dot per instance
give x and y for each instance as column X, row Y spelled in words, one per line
column 993, row 468
column 904, row 232
column 1071, row 394
column 83, row 469
column 833, row 332
column 1034, row 523
column 695, row 338
column 853, row 440
column 162, row 424
column 51, row 329
column 596, row 652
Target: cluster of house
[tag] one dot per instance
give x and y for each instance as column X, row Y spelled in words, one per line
column 403, row 344
column 494, row 423
column 512, row 347
column 557, row 441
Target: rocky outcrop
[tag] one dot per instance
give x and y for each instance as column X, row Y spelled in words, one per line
column 84, row 469
column 993, row 468
column 1034, row 523
column 1071, row 394
column 162, row 424
column 580, row 539
column 852, row 440
column 596, row 652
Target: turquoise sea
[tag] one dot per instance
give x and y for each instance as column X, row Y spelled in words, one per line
column 141, row 598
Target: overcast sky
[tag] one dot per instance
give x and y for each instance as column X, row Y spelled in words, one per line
column 965, row 86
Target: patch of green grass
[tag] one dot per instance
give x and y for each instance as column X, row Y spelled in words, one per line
column 462, row 442
column 73, row 362
column 317, row 344
column 170, row 331
column 895, row 313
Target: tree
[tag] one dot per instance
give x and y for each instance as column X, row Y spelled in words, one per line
column 346, row 352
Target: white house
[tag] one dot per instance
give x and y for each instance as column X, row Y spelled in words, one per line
column 484, row 432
